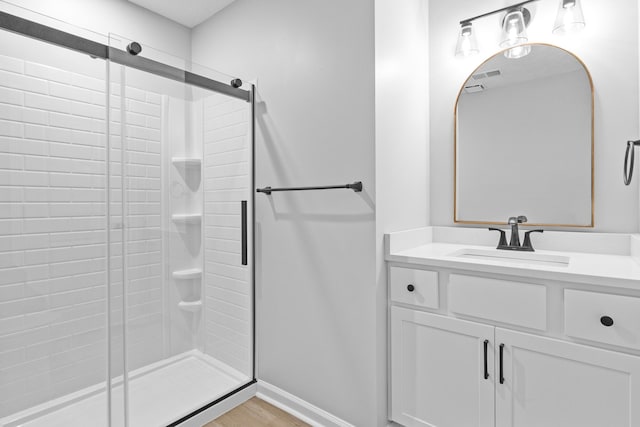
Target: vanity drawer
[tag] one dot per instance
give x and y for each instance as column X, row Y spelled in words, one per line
column 411, row 286
column 515, row 303
column 587, row 314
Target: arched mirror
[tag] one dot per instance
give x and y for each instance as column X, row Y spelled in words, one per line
column 524, row 141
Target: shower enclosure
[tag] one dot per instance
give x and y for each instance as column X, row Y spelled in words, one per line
column 126, row 211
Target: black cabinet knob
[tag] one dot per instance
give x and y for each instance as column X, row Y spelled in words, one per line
column 606, row 321
column 411, row 288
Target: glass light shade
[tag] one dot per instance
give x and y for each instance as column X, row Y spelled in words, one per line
column 517, row 52
column 569, row 18
column 514, row 29
column 467, row 43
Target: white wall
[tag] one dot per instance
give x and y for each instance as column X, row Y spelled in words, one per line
column 609, row 47
column 109, row 16
column 317, row 304
column 402, row 115
column 402, row 139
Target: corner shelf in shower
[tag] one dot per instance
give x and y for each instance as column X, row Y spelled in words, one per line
column 187, row 218
column 188, row 274
column 187, row 162
column 191, row 306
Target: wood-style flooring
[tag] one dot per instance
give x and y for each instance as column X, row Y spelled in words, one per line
column 256, row 413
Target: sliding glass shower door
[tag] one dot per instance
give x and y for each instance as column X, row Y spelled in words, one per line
column 126, row 281
column 181, row 189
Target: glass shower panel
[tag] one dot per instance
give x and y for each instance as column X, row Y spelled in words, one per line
column 53, row 293
column 187, row 313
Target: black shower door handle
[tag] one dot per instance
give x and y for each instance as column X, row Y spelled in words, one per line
column 501, row 363
column 243, row 221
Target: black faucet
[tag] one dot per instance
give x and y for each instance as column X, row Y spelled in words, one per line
column 515, row 235
column 514, row 243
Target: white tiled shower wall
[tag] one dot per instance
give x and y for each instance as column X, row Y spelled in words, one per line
column 52, row 230
column 52, row 314
column 143, row 113
column 228, row 311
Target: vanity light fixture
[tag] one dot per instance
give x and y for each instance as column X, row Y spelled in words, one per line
column 467, row 43
column 514, row 28
column 514, row 32
column 570, row 17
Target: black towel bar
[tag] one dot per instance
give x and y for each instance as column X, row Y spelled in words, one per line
column 356, row 186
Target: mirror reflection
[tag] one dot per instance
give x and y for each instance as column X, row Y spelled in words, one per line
column 524, row 141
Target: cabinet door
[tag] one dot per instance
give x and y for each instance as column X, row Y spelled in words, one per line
column 551, row 383
column 438, row 371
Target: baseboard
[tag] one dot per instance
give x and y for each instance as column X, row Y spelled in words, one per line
column 297, row 407
column 220, row 408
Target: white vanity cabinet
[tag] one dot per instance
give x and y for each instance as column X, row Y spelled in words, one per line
column 438, row 371
column 494, row 351
column 551, row 383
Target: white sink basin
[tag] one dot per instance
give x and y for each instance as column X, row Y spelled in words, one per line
column 514, row 257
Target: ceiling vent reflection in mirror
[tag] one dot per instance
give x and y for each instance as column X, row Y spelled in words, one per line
column 514, row 28
column 486, row 75
column 473, row 88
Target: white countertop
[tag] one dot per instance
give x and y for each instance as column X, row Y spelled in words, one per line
column 619, row 266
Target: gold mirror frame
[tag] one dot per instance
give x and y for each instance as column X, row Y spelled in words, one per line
column 455, row 147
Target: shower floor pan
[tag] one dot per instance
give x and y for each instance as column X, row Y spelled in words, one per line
column 159, row 394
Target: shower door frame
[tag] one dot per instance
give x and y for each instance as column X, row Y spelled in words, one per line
column 35, row 30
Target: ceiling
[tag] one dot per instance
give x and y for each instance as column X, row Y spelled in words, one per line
column 186, row 12
column 543, row 62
